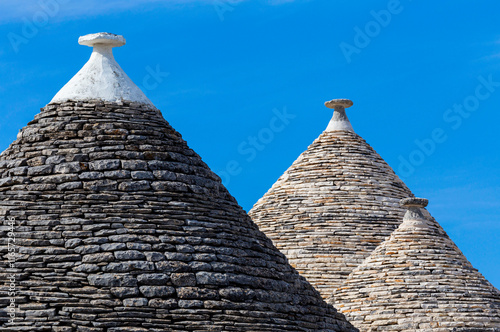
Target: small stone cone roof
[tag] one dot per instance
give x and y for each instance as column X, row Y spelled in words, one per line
column 333, row 206
column 120, row 226
column 418, row 280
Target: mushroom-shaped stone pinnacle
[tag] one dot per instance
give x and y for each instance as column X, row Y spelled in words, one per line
column 335, row 103
column 339, row 119
column 102, row 39
column 414, row 217
column 414, row 202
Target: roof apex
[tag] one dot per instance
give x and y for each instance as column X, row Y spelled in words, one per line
column 414, row 216
column 102, row 78
column 339, row 119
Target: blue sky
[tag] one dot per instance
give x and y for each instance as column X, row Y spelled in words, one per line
column 245, row 82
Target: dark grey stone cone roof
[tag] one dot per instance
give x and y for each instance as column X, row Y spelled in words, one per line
column 120, row 226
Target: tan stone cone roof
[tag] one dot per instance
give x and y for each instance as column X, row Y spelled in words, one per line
column 418, row 280
column 120, row 226
column 333, row 206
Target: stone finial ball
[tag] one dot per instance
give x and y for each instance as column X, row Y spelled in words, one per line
column 339, row 102
column 414, row 201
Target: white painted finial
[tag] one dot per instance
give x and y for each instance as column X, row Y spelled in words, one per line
column 102, row 78
column 339, row 119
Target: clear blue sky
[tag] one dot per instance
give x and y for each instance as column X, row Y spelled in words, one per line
column 424, row 77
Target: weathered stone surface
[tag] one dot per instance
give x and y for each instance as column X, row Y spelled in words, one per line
column 69, row 186
column 111, row 280
column 183, row 279
column 164, row 304
column 141, row 175
column 73, row 167
column 100, row 257
column 135, row 302
column 237, row 294
column 104, row 165
column 40, row 170
column 210, row 278
column 134, row 186
column 87, row 268
column 125, row 291
column 88, row 249
column 197, row 293
column 157, row 291
column 113, row 246
column 129, row 255
column 139, row 235
column 153, row 279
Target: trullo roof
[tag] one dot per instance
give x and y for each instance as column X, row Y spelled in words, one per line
column 333, row 206
column 418, row 280
column 120, row 226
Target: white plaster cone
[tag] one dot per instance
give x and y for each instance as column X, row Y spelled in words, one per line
column 102, row 78
column 339, row 119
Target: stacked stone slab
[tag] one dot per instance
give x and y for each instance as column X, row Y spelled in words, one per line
column 333, row 206
column 120, row 226
column 418, row 280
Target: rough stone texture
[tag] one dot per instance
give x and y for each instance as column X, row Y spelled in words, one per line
column 418, row 280
column 122, row 227
column 331, row 208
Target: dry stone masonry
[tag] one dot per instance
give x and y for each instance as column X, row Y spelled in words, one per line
column 120, row 226
column 333, row 206
column 418, row 280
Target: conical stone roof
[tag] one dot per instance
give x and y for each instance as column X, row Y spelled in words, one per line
column 333, row 206
column 120, row 226
column 418, row 280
